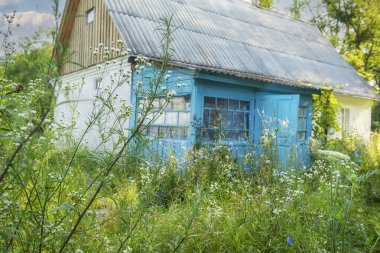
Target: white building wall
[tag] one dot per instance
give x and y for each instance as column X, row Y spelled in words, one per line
column 77, row 104
column 359, row 115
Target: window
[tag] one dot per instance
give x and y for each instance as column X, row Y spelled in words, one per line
column 345, row 119
column 97, row 83
column 302, row 123
column 90, row 15
column 228, row 118
column 174, row 122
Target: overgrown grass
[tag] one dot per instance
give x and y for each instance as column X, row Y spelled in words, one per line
column 204, row 203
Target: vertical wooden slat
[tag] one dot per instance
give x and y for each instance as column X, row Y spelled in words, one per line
column 82, row 36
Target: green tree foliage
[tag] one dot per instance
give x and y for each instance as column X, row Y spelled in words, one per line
column 31, row 62
column 263, row 3
column 353, row 27
column 297, row 7
column 324, row 113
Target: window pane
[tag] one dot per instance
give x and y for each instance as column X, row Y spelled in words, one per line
column 301, row 135
column 178, row 103
column 164, row 132
column 227, row 119
column 175, row 132
column 171, row 118
column 160, row 119
column 156, row 103
column 184, row 118
column 90, row 16
column 302, row 112
column 239, row 120
column 153, row 131
column 163, row 102
column 188, row 103
column 234, row 104
column 215, row 118
column 244, row 106
column 222, row 103
column 210, row 102
column 186, row 131
column 206, row 114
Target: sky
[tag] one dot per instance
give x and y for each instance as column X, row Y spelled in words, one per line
column 31, row 15
column 34, row 14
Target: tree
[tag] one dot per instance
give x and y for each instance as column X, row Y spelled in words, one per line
column 324, row 113
column 353, row 27
column 263, row 3
column 31, row 62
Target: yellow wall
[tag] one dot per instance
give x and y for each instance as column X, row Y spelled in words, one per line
column 360, row 114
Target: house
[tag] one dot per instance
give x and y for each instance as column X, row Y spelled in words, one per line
column 247, row 64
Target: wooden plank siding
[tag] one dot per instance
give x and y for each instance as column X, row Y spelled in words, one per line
column 81, row 37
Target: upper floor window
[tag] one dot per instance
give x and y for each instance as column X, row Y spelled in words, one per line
column 302, row 123
column 224, row 118
column 90, row 15
column 345, row 119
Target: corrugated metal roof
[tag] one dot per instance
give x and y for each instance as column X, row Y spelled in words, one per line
column 235, row 38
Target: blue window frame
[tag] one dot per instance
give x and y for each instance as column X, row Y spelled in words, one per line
column 226, row 119
column 173, row 122
column 302, row 123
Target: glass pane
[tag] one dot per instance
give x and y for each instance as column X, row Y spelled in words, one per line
column 160, row 119
column 227, row 119
column 184, row 118
column 186, row 131
column 153, row 131
column 210, row 134
column 171, row 118
column 176, row 133
column 239, row 120
column 215, row 118
column 246, row 121
column 234, row 104
column 164, row 132
column 210, row 102
column 222, row 103
column 245, row 106
column 156, row 103
column 206, row 114
column 301, row 135
column 187, row 102
column 163, row 102
column 299, row 123
column 178, row 103
column 302, row 112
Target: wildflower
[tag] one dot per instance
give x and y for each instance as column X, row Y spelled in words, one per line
column 290, row 240
column 348, row 201
column 267, row 161
column 178, row 170
column 151, row 165
column 356, row 153
column 359, row 161
column 171, row 94
column 262, row 181
column 229, row 175
column 130, row 178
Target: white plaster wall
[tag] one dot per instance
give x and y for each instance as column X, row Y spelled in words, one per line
column 360, row 114
column 78, row 104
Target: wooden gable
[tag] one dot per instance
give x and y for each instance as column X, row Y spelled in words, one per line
column 82, row 37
